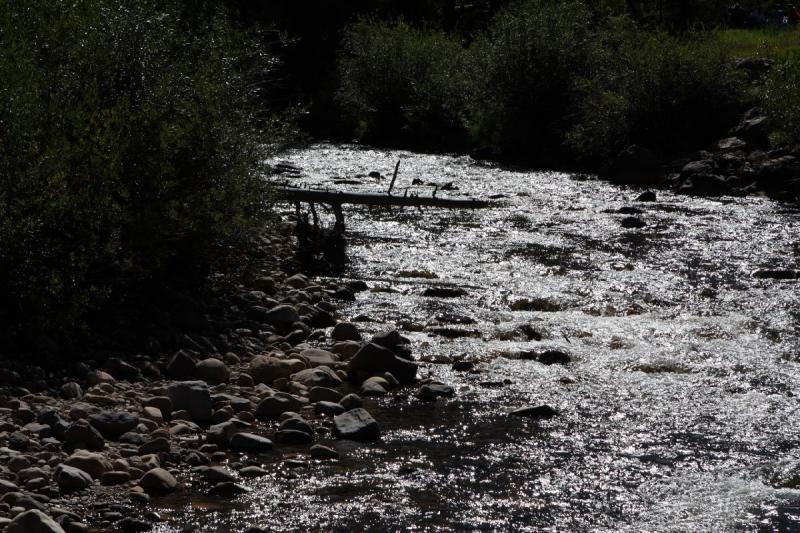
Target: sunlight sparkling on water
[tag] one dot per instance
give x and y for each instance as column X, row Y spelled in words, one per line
column 680, row 402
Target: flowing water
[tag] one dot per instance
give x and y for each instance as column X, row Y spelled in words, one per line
column 679, row 406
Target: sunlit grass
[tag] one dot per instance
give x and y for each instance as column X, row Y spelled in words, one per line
column 775, row 43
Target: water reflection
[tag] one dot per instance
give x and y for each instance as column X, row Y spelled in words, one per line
column 679, row 403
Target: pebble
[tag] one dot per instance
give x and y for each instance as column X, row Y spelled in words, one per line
column 157, row 482
column 539, row 412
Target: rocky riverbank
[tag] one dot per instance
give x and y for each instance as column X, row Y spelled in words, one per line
column 742, row 164
column 88, row 449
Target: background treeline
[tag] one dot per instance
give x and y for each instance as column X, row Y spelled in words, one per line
column 132, row 131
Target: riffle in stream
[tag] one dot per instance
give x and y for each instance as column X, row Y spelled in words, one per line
column 676, row 413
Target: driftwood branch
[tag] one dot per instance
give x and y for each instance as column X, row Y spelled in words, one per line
column 292, row 194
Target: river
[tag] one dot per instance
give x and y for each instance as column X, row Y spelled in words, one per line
column 678, row 408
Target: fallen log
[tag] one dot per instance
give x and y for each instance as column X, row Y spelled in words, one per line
column 293, row 194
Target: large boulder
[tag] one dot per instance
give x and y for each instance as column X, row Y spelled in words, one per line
column 273, row 406
column 372, row 360
column 80, row 435
column 266, row 369
column 71, row 479
column 157, row 482
column 221, row 434
column 192, row 397
column 213, row 371
column 112, row 424
column 33, row 521
column 322, row 376
column 356, row 424
column 345, row 331
column 317, row 357
column 249, row 443
column 393, row 341
column 93, row 464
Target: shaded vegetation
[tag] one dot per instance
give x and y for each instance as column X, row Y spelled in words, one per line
column 129, row 143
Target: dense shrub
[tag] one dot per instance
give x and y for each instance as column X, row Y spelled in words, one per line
column 655, row 90
column 403, row 85
column 782, row 101
column 127, row 145
column 523, row 73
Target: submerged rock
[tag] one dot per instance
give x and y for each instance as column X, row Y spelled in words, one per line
column 540, row 412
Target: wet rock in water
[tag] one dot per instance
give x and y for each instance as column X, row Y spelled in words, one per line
column 705, row 184
column 80, row 435
column 192, row 397
column 33, row 521
column 328, row 408
column 345, row 331
column 133, row 525
column 628, row 210
column 213, row 371
column 539, row 412
column 547, row 357
column 431, row 391
column 296, row 423
column 776, row 274
column 323, row 452
column 444, row 292
column 112, row 424
column 544, row 305
column 181, row 366
column 249, row 443
column 632, row 222
column 222, row 433
column 71, row 479
column 292, row 437
column 394, row 342
column 252, row 471
column 265, row 369
column 217, row 474
column 115, row 477
column 323, row 394
column 227, row 489
column 351, row 401
column 93, row 464
column 157, row 482
column 787, row 475
column 374, row 386
column 356, row 424
column 298, row 281
column 646, row 196
column 272, row 407
column 373, row 359
column 463, row 366
column 321, row 376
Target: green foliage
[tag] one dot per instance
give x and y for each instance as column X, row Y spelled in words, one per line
column 402, row 85
column 127, row 143
column 782, row 101
column 655, row 90
column 523, row 76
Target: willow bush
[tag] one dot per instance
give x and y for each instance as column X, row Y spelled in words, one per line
column 128, row 143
